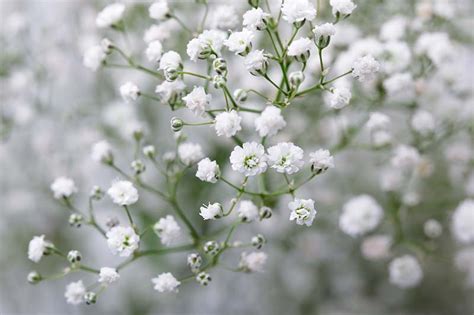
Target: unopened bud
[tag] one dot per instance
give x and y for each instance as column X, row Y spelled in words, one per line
column 96, row 193
column 211, row 248
column 220, row 66
column 149, row 151
column 138, row 167
column 74, row 256
column 265, row 213
column 75, row 220
column 218, row 81
column 194, row 262
column 296, row 78
column 171, row 74
column 34, row 277
column 240, row 95
column 106, row 45
column 203, row 278
column 176, row 124
column 258, row 241
column 90, row 298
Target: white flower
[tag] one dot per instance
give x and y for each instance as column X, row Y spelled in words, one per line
column 256, row 62
column 166, row 282
column 344, row 7
column 208, row 171
column 391, row 180
column 321, row 160
column 249, row 159
column 463, row 221
column 154, row 50
column 75, row 292
column 324, row 30
column 227, row 123
column 269, row 122
column 285, row 157
column 206, row 43
column 376, row 247
column 123, row 193
column 197, row 100
column 94, row 57
column 365, row 68
column 339, row 98
column 102, row 152
column 248, row 211
column 405, row 157
column 240, row 42
column 63, row 187
column 432, row 228
column 360, row 215
column 161, row 32
column 225, row 17
column 108, row 275
column 397, row 56
column 437, row 46
column 377, row 121
column 423, row 122
column 170, row 60
column 37, row 247
column 255, row 19
column 405, row 272
column 168, row 230
column 253, row 262
column 169, row 91
column 303, row 211
column 381, row 138
column 159, row 10
column 298, row 11
column 300, row 48
column 129, row 92
column 122, row 241
column 400, row 86
column 394, row 29
column 211, row 211
column 110, row 15
column 190, row 153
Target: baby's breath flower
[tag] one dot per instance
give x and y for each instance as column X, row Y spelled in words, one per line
column 321, row 160
column 111, row 15
column 211, row 211
column 129, row 92
column 302, row 210
column 285, row 157
column 166, row 282
column 376, row 247
column 298, row 11
column 300, row 49
column 340, row 98
column 255, row 19
column 123, row 193
column 240, row 42
column 38, row 247
column 102, row 152
column 75, row 220
column 75, row 292
column 360, row 215
column 208, row 171
column 197, row 100
column 365, row 68
column 203, row 278
column 253, row 262
column 227, row 123
column 168, row 230
column 154, row 51
column 63, row 187
column 108, row 275
column 343, row 7
column 189, row 153
column 269, row 122
column 432, row 228
column 194, row 261
column 74, row 256
column 159, row 10
column 248, row 211
column 211, row 248
column 405, row 272
column 122, row 241
column 250, row 159
column 463, row 222
column 256, row 62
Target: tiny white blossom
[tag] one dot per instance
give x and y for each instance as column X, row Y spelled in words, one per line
column 168, row 230
column 123, row 193
column 344, row 7
column 94, row 57
column 159, row 10
column 75, row 292
column 63, row 187
column 365, row 68
column 321, row 160
column 256, row 62
column 339, row 98
column 255, row 19
column 303, row 211
column 36, row 248
column 129, row 92
column 108, row 275
column 240, row 42
column 285, row 157
column 324, row 30
column 298, row 11
column 209, row 41
column 170, row 60
column 300, row 48
column 190, row 153
column 432, row 228
column 250, row 159
column 169, row 91
column 400, row 86
column 227, row 123
column 269, row 122
column 166, row 282
column 376, row 247
column 102, row 152
column 405, row 157
column 248, row 211
column 110, row 15
column 122, row 241
column 225, row 17
column 197, row 100
column 423, row 122
column 377, row 121
column 211, row 211
column 463, row 222
column 208, row 171
column 154, row 51
column 405, row 272
column 360, row 215
column 253, row 262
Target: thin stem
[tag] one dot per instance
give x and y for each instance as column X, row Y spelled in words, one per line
column 187, row 29
column 130, row 219
column 198, row 124
column 195, row 75
column 274, row 84
column 338, row 77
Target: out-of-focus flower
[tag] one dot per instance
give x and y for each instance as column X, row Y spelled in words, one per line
column 168, row 230
column 360, row 215
column 253, row 262
column 166, row 282
column 269, row 122
column 190, row 153
column 463, row 221
column 405, row 272
column 63, row 187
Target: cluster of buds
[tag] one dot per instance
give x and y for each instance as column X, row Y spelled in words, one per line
column 211, row 248
column 194, row 262
column 76, row 220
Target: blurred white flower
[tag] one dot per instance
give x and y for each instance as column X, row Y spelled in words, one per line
column 189, row 153
column 197, row 100
column 303, row 211
column 75, row 292
column 227, row 123
column 405, row 272
column 344, row 7
column 123, row 193
column 377, row 121
column 170, row 91
column 166, row 282
column 253, row 262
column 168, row 230
column 225, row 17
column 248, row 211
column 360, row 215
column 324, row 30
column 269, row 122
column 365, row 68
column 110, row 15
column 250, row 159
column 339, row 98
column 285, row 157
column 154, row 51
column 405, row 157
column 94, row 57
column 122, row 241
column 159, row 10
column 129, row 91
column 432, row 228
column 63, row 187
column 170, row 60
column 463, row 221
column 321, row 160
column 423, row 122
column 108, row 275
column 102, row 152
column 376, row 247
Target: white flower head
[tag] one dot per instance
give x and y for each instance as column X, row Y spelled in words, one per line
column 344, row 7
column 432, row 228
column 248, row 211
column 122, row 241
column 123, row 193
column 256, row 62
column 227, row 123
column 166, row 282
column 102, row 152
column 190, row 153
column 303, row 211
column 405, row 157
column 170, row 92
column 295, row 11
column 376, row 247
column 211, row 212
column 324, row 30
column 129, row 92
column 159, row 10
column 301, row 48
column 340, row 98
column 253, row 262
column 208, row 42
column 285, row 157
column 94, row 57
column 168, row 230
column 423, row 122
column 75, row 292
column 250, row 159
column 321, row 160
column 225, row 17
column 170, row 60
column 108, row 275
column 377, row 121
column 197, row 100
column 208, row 171
column 254, row 19
column 365, row 68
column 154, row 51
column 269, row 122
column 360, row 215
column 63, row 187
column 405, row 272
column 110, row 15
column 37, row 247
column 240, row 42
column 463, row 222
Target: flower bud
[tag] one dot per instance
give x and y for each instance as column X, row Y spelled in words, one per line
column 106, row 45
column 169, row 157
column 258, row 241
column 171, row 74
column 254, row 3
column 211, row 248
column 149, row 151
column 90, row 298
column 112, row 222
column 34, row 277
column 218, row 81
column 203, row 278
column 296, row 78
column 194, row 262
column 220, row 66
column 75, row 220
column 176, row 124
column 265, row 213
column 74, row 256
column 138, row 167
column 240, row 95
column 138, row 133
column 96, row 193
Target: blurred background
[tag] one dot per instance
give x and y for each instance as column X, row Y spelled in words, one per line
column 53, row 109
